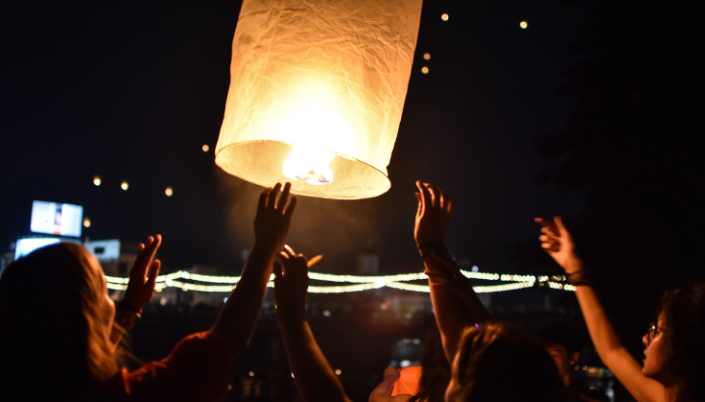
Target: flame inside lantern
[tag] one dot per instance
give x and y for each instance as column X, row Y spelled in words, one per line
column 312, row 129
column 309, row 165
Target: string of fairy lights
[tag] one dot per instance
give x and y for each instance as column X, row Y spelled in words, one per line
column 350, row 283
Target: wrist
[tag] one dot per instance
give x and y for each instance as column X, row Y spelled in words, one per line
column 266, row 247
column 126, row 309
column 290, row 320
column 427, row 248
column 574, row 266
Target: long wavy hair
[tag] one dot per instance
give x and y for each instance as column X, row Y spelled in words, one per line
column 684, row 336
column 53, row 342
column 435, row 370
column 496, row 363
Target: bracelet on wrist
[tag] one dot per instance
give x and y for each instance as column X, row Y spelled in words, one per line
column 579, row 278
column 438, row 248
column 425, row 250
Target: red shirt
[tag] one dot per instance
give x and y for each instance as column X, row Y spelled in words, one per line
column 195, row 371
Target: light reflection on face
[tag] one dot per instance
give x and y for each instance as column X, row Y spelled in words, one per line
column 655, row 353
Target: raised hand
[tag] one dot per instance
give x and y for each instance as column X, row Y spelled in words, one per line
column 391, row 371
column 558, row 243
column 433, row 215
column 273, row 218
column 143, row 276
column 290, row 285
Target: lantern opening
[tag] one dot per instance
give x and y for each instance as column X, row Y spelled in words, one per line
column 309, row 165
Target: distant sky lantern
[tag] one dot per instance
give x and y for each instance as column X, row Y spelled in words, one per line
column 424, row 70
column 523, row 24
column 317, row 90
column 169, row 191
column 427, row 56
column 97, row 181
column 124, row 185
column 444, row 17
column 86, row 222
column 205, row 147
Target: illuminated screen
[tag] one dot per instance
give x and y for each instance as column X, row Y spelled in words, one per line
column 26, row 246
column 57, row 219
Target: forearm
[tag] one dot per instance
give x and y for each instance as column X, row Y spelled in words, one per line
column 600, row 328
column 238, row 318
column 454, row 312
column 613, row 354
column 451, row 317
column 314, row 377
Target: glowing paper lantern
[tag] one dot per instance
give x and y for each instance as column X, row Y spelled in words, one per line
column 316, row 93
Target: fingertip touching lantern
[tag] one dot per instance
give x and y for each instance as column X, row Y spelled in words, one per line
column 317, row 90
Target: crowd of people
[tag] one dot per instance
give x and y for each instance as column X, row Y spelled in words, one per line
column 67, row 343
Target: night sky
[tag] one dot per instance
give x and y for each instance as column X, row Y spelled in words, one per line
column 132, row 90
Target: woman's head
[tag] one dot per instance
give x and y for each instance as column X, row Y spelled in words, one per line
column 56, row 318
column 675, row 347
column 499, row 363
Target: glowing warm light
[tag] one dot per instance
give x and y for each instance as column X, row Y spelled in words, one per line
column 523, row 24
column 338, row 371
column 310, row 166
column 97, row 181
column 86, row 222
column 251, row 373
column 205, row 148
column 169, row 191
column 444, row 17
column 362, row 283
column 321, row 106
column 424, row 70
column 124, row 185
column 427, row 56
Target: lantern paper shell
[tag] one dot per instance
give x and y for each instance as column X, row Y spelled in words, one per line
column 318, row 86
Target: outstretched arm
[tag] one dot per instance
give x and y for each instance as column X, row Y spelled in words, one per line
column 314, row 378
column 455, row 303
column 558, row 243
column 238, row 318
column 140, row 289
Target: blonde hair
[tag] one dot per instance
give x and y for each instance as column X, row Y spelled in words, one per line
column 57, row 337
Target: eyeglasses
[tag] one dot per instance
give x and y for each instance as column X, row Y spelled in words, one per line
column 654, row 330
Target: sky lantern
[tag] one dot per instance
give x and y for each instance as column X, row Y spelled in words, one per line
column 317, row 90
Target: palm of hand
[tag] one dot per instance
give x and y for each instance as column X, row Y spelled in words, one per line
column 273, row 218
column 291, row 284
column 433, row 215
column 143, row 275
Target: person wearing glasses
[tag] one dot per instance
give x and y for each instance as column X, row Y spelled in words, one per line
column 672, row 369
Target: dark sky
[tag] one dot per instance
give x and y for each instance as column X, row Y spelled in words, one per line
column 131, row 90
